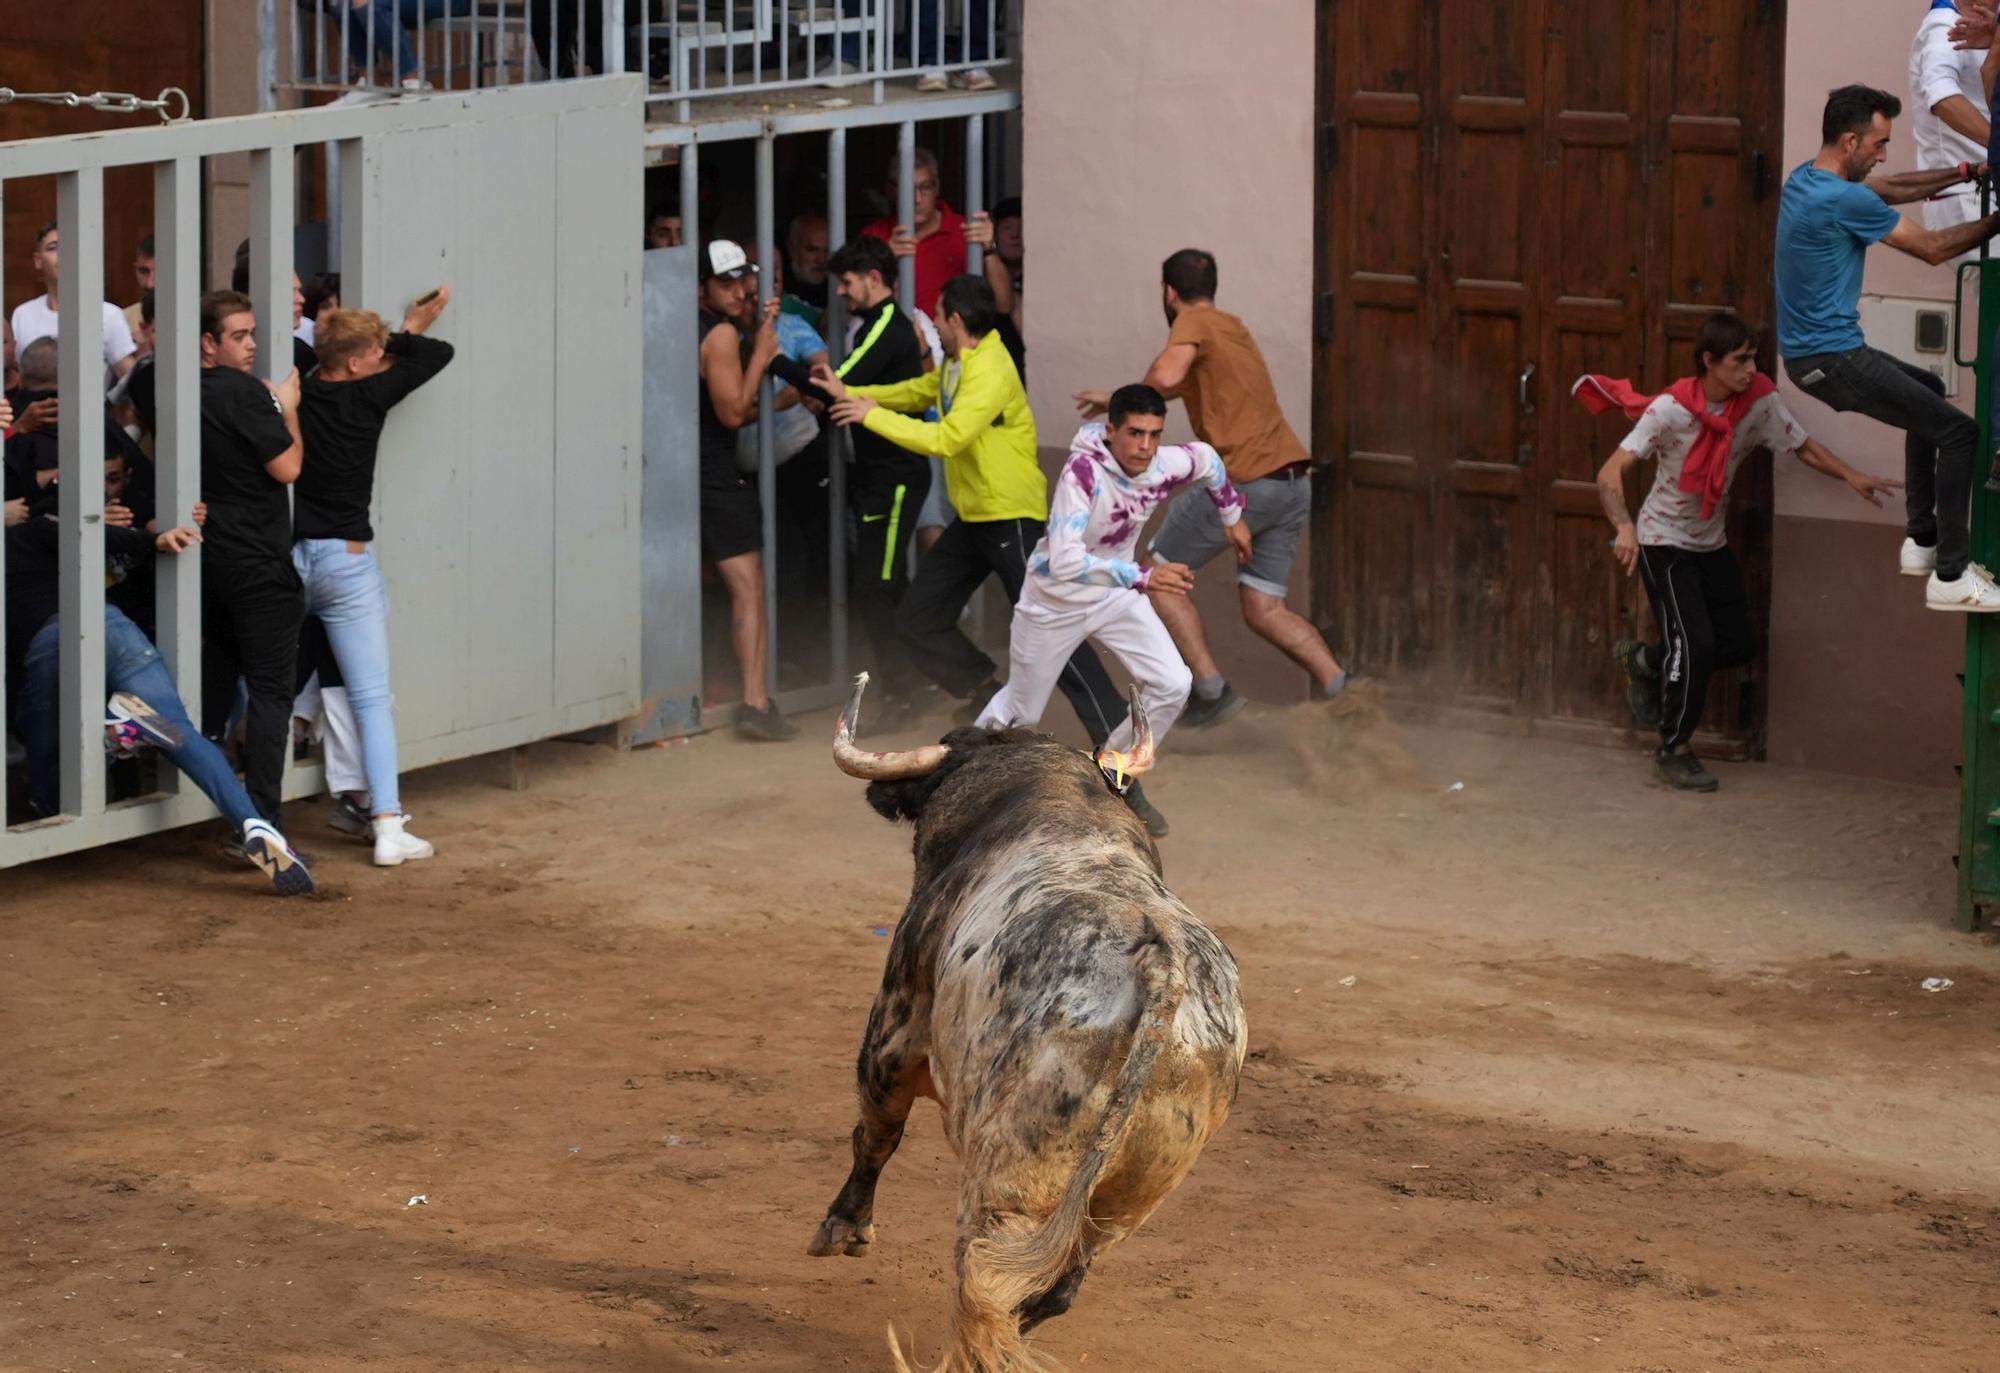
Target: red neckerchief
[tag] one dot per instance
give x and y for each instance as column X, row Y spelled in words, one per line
column 1707, row 467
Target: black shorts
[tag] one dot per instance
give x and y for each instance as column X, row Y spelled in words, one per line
column 732, row 518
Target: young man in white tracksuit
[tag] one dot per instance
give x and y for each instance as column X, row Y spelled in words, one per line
column 1083, row 581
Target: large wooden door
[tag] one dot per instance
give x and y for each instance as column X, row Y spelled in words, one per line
column 1514, row 192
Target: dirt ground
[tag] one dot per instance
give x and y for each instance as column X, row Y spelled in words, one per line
column 1553, row 1071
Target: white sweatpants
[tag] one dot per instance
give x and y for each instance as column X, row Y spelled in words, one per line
column 1124, row 623
column 331, row 717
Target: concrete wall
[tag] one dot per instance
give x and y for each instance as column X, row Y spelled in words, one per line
column 1152, row 125
column 1850, row 640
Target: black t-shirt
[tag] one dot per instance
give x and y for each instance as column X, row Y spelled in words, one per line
column 242, row 428
column 718, row 440
column 341, row 423
column 142, row 390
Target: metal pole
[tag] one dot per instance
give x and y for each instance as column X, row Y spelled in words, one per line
column 767, row 465
column 840, row 447
column 333, row 224
column 271, row 258
column 975, row 185
column 612, row 54
column 267, row 56
column 906, row 214
column 691, row 196
column 80, row 449
column 177, row 396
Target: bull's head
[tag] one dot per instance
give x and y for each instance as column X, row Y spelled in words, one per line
column 879, row 767
column 1120, row 769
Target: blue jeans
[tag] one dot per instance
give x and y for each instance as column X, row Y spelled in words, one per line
column 393, row 20
column 131, row 664
column 927, row 27
column 345, row 591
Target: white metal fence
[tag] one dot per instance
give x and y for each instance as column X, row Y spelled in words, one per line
column 507, row 513
column 688, row 49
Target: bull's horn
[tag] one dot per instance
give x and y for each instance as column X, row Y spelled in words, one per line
column 878, row 767
column 1121, row 767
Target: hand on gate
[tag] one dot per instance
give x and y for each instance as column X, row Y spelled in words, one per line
column 1625, row 548
column 1975, row 25
column 1873, row 489
column 6, row 414
column 41, row 415
column 902, row 242
column 17, row 513
column 1238, row 535
column 176, row 540
column 287, row 391
column 1170, row 579
column 979, row 231
column 117, row 515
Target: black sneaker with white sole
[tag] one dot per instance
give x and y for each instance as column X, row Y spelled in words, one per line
column 1642, row 683
column 766, row 724
column 1203, row 712
column 351, row 819
column 1682, row 771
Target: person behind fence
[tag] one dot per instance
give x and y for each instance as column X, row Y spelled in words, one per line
column 732, row 367
column 41, row 316
column 1214, row 367
column 806, row 268
column 364, row 372
column 999, row 234
column 1699, row 431
column 1832, row 209
column 986, row 438
column 144, row 708
column 1083, row 581
column 936, row 240
column 251, row 595
column 304, row 356
column 144, row 262
column 887, row 485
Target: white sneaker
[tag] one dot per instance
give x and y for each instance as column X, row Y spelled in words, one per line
column 932, row 83
column 393, row 846
column 1971, row 593
column 1918, row 561
column 979, row 79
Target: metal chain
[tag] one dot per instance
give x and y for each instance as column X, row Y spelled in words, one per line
column 111, row 102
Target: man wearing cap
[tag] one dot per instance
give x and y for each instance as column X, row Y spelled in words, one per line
column 732, row 518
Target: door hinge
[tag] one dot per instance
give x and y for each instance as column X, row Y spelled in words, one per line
column 1323, row 318
column 1329, row 147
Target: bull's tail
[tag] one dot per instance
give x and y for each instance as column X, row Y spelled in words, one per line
column 1020, row 1260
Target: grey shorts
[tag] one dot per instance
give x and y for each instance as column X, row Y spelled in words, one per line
column 1275, row 508
column 937, row 511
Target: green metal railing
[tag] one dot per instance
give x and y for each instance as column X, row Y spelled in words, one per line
column 1979, row 765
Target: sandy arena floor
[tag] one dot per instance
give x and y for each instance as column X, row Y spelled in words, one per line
column 1557, row 1071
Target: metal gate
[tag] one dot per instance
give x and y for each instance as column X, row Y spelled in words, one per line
column 508, row 496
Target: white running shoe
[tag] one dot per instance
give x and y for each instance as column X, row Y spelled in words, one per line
column 394, row 846
column 1971, row 593
column 267, row 851
column 932, row 83
column 1916, row 560
column 979, row 79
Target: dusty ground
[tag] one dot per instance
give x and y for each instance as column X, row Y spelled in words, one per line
column 1557, row 1071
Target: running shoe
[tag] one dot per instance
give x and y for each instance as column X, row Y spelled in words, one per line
column 1682, row 771
column 1156, row 823
column 350, row 819
column 265, row 849
column 395, row 845
column 766, row 724
column 155, row 729
column 1202, row 712
column 1642, row 684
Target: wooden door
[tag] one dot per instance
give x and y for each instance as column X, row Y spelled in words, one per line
column 1514, row 193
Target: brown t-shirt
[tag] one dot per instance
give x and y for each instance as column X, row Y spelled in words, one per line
column 1229, row 397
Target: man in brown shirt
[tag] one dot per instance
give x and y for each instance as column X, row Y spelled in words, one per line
column 1213, row 365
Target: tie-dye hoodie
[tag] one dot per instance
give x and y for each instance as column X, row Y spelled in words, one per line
column 1097, row 512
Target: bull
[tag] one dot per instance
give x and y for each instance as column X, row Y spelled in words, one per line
column 1080, row 1030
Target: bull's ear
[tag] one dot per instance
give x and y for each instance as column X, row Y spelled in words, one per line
column 898, row 800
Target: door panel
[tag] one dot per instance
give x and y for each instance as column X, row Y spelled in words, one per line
column 1556, row 183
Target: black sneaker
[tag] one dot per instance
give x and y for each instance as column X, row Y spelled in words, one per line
column 1202, row 712
column 1682, row 771
column 1156, row 823
column 351, row 819
column 981, row 697
column 766, row 724
column 1642, row 684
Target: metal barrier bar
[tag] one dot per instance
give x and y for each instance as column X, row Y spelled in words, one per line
column 423, row 72
column 975, row 185
column 177, row 394
column 267, row 54
column 767, row 464
column 691, row 195
column 840, row 450
column 271, row 191
column 80, row 445
column 614, row 36
column 906, row 214
column 3, row 560
column 358, row 245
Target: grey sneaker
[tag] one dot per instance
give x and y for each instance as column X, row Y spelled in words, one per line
column 1642, row 684
column 1201, row 713
column 1156, row 823
column 766, row 724
column 1682, row 771
column 351, row 819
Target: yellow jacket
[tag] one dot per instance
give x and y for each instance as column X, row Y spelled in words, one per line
column 986, row 438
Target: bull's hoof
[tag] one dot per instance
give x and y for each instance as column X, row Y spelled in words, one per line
column 840, row 1236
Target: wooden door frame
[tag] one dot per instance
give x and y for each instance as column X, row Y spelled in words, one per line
column 1331, row 608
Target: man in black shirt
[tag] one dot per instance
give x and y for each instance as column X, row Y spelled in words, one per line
column 888, row 484
column 732, row 516
column 251, row 596
column 364, row 371
column 144, row 706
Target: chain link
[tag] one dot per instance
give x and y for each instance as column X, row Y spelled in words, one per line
column 111, row 102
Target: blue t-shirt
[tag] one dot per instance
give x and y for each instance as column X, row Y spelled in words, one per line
column 798, row 340
column 1825, row 225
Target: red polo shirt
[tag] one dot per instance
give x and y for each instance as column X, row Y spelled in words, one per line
column 940, row 256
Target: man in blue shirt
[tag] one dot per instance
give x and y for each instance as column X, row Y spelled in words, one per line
column 1833, row 208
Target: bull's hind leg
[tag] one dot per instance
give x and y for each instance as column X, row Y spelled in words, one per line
column 893, row 1070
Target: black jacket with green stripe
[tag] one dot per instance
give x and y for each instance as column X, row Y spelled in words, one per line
column 887, row 349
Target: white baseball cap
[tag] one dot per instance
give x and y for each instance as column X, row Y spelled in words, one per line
column 726, row 259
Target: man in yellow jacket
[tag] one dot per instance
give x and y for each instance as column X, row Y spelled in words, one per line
column 986, row 439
